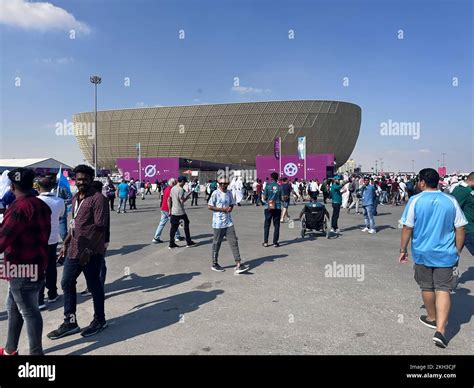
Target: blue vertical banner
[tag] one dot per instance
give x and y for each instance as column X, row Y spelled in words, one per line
column 302, row 147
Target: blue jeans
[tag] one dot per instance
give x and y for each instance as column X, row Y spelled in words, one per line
column 22, row 306
column 369, row 216
column 63, row 227
column 123, row 201
column 165, row 217
column 92, row 272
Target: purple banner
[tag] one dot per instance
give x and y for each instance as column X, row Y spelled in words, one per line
column 292, row 167
column 277, row 147
column 152, row 168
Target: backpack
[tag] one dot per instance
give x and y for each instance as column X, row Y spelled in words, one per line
column 213, row 186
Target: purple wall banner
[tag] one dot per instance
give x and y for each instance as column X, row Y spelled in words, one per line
column 152, row 168
column 292, row 167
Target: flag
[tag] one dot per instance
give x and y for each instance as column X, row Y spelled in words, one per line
column 277, row 147
column 138, row 148
column 302, row 147
column 62, row 183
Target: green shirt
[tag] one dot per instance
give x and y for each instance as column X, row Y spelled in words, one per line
column 272, row 192
column 336, row 195
column 464, row 196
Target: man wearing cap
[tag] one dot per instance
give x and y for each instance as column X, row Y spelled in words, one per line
column 336, row 199
column 24, row 236
column 221, row 204
column 176, row 202
column 165, row 214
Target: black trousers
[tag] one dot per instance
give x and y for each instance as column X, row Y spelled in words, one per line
column 133, row 203
column 336, row 208
column 51, row 275
column 272, row 215
column 325, row 196
column 111, row 200
column 194, row 199
column 174, row 220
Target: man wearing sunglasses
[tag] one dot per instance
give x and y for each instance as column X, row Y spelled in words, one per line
column 221, row 204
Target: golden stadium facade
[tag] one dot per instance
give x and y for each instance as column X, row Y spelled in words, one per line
column 233, row 133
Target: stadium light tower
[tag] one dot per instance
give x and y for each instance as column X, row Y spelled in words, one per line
column 96, row 80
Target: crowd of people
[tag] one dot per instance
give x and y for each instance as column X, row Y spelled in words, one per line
column 438, row 219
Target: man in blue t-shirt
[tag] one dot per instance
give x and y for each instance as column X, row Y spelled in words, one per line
column 221, row 204
column 122, row 192
column 435, row 222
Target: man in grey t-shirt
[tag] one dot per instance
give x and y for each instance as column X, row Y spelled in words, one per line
column 176, row 202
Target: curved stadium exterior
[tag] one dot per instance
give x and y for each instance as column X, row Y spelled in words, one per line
column 233, row 133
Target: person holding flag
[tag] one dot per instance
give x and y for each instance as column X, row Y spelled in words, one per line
column 63, row 191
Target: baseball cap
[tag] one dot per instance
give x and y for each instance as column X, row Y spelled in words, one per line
column 23, row 177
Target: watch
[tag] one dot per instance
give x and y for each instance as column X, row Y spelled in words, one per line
column 403, row 250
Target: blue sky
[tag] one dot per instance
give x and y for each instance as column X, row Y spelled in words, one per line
column 402, row 80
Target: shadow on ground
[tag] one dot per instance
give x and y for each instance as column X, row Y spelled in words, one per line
column 126, row 249
column 462, row 310
column 142, row 319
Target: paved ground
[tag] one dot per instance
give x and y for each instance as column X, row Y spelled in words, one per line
column 172, row 303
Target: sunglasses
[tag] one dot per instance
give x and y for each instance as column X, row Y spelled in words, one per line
column 223, row 183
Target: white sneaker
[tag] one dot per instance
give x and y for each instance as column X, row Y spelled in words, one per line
column 372, row 231
column 365, row 229
column 332, row 230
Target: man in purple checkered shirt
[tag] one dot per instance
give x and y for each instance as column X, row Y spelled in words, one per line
column 84, row 249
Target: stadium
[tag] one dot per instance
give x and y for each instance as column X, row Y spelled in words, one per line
column 231, row 134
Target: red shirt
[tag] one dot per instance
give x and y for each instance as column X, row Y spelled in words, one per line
column 166, row 195
column 24, row 233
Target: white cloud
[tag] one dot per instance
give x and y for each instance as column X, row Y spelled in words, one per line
column 424, row 151
column 249, row 90
column 39, row 16
column 57, row 61
column 141, row 104
column 65, row 60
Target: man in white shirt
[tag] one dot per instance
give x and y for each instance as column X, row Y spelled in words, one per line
column 403, row 190
column 314, row 187
column 58, row 208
